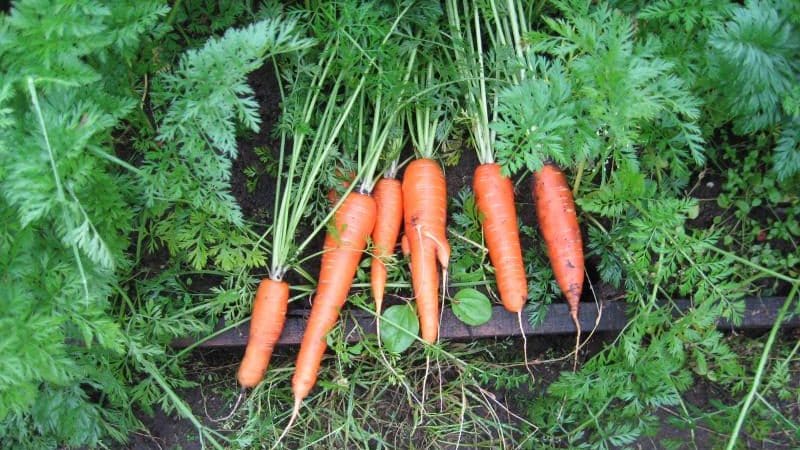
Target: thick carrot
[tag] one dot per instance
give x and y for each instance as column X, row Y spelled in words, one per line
column 494, row 195
column 558, row 223
column 344, row 245
column 266, row 324
column 388, row 197
column 425, row 213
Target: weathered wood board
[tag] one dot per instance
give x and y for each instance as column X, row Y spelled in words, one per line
column 760, row 313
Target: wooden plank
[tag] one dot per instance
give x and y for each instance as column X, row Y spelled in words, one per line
column 759, row 314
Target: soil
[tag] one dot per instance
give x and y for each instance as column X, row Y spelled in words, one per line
column 257, row 203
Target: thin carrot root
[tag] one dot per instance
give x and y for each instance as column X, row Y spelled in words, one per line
column 298, row 402
column 242, row 393
column 378, row 329
column 574, row 314
column 525, row 346
column 425, row 377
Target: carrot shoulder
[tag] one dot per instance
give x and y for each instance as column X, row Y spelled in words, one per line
column 344, row 245
column 494, row 195
column 266, row 325
column 425, row 214
column 558, row 223
column 388, row 197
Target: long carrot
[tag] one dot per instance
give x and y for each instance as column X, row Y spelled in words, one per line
column 388, row 195
column 425, row 214
column 558, row 223
column 494, row 195
column 344, row 245
column 266, row 324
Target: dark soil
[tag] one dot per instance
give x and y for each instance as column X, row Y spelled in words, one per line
column 257, row 204
column 706, row 189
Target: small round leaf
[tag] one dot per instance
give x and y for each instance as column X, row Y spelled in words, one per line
column 472, row 307
column 399, row 327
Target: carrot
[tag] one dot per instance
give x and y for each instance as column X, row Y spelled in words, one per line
column 425, row 213
column 558, row 224
column 353, row 222
column 346, row 178
column 494, row 195
column 388, row 197
column 266, row 325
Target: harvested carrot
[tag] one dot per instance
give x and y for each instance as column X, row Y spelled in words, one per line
column 345, row 178
column 344, row 245
column 425, row 213
column 558, row 223
column 388, row 195
column 494, row 196
column 266, row 325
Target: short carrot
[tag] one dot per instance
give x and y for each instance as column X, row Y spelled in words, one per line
column 425, row 214
column 345, row 179
column 558, row 223
column 344, row 245
column 494, row 195
column 388, row 197
column 266, row 325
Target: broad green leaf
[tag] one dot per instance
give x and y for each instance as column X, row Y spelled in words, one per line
column 472, row 307
column 399, row 327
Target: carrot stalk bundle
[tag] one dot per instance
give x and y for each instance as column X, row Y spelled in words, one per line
column 266, row 324
column 558, row 223
column 344, row 245
column 425, row 214
column 494, row 195
column 388, row 197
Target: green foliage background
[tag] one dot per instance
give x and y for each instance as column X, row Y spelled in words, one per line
column 118, row 130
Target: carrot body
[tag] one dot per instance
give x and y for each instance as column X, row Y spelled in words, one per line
column 425, row 214
column 558, row 223
column 388, row 197
column 494, row 195
column 353, row 223
column 266, row 324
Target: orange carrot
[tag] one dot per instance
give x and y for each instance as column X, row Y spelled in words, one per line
column 558, row 223
column 266, row 324
column 353, row 222
column 388, row 197
column 346, row 178
column 425, row 213
column 494, row 195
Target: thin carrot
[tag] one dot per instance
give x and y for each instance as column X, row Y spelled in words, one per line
column 344, row 245
column 266, row 325
column 425, row 213
column 494, row 195
column 558, row 223
column 388, row 195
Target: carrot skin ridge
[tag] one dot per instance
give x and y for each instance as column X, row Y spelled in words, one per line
column 425, row 219
column 494, row 196
column 268, row 317
column 388, row 195
column 558, row 223
column 353, row 223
